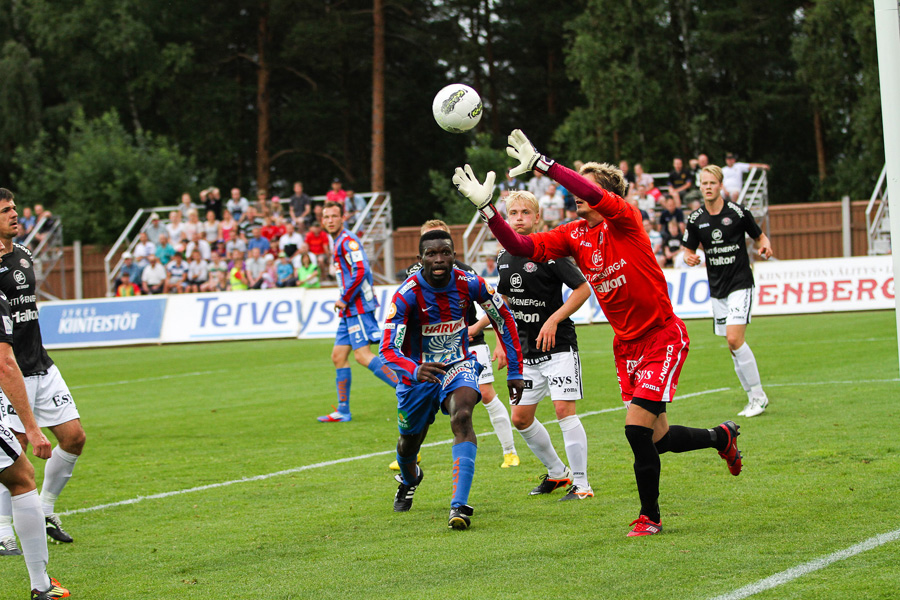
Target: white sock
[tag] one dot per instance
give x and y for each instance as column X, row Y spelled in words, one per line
column 56, row 475
column 538, row 440
column 6, row 528
column 575, row 439
column 746, row 362
column 29, row 520
column 740, row 374
column 502, row 426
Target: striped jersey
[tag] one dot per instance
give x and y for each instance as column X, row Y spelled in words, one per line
column 426, row 324
column 354, row 276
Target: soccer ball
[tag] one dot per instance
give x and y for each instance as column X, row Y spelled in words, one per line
column 457, row 108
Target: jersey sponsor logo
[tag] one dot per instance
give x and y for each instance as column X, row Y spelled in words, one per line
column 353, row 329
column 356, row 256
column 515, row 280
column 4, row 269
column 29, row 314
column 650, row 387
column 578, row 232
column 726, row 221
column 716, row 235
column 489, row 288
column 353, row 245
column 61, row 400
column 501, row 267
column 702, row 225
column 562, row 381
column 462, row 369
column 586, row 244
column 608, row 285
column 7, row 325
column 538, row 360
column 719, row 261
column 631, row 365
column 407, row 286
column 444, row 328
column 530, row 267
column 528, row 384
column 724, row 249
column 7, row 410
column 402, row 419
column 526, row 301
column 390, row 325
column 667, row 364
column 19, row 276
column 392, row 311
column 526, row 317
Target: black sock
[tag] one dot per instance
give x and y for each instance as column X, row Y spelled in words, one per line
column 646, row 469
column 685, row 439
column 664, row 444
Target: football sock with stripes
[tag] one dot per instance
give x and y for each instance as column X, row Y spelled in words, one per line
column 409, row 470
column 575, row 440
column 463, row 472
column 646, row 469
column 343, row 380
column 6, row 528
column 746, row 362
column 56, row 475
column 29, row 520
column 502, row 426
column 382, row 372
column 538, row 440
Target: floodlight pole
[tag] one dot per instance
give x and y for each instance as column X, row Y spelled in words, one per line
column 887, row 31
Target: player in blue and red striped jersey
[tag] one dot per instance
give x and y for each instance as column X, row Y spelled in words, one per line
column 610, row 246
column 426, row 342
column 356, row 308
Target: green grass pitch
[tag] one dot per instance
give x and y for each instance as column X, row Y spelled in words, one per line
column 821, row 474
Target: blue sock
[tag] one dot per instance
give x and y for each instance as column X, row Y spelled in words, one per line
column 463, row 472
column 383, row 373
column 408, row 469
column 344, row 377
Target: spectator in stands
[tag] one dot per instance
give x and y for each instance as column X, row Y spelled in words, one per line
column 300, row 207
column 199, row 244
column 537, row 185
column 656, row 242
column 27, row 222
column 255, row 266
column 552, row 206
column 197, row 273
column 702, row 161
column 176, row 282
column 192, row 226
column 237, row 204
column 155, row 228
column 307, row 271
column 210, row 227
column 129, row 266
column 262, row 204
column 336, row 193
column 680, row 181
column 164, row 250
column 672, row 242
column 143, row 249
column 733, row 176
column 154, row 276
column 218, row 265
column 643, row 182
column 316, row 216
column 227, row 226
column 629, row 177
column 276, row 208
column 270, row 274
column 174, row 228
column 490, row 267
column 670, row 212
column 126, row 287
column 353, row 207
column 290, row 241
column 258, row 242
column 237, row 274
column 237, row 242
column 186, row 206
column 510, row 184
column 320, row 245
column 273, row 229
column 44, row 222
column 284, row 272
column 249, row 221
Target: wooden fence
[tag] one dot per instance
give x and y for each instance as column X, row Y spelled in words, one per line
column 811, row 230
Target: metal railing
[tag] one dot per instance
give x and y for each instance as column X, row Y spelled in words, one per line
column 878, row 222
column 375, row 222
column 46, row 242
column 754, row 195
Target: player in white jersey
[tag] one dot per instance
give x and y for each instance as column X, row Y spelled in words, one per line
column 17, row 474
column 48, row 394
column 721, row 228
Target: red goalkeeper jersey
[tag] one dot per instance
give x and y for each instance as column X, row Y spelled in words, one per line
column 615, row 257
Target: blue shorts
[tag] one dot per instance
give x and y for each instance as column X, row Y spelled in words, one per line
column 358, row 331
column 417, row 404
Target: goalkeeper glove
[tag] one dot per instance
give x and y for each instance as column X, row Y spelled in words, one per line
column 478, row 194
column 521, row 149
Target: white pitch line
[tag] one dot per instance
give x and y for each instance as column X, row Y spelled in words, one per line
column 146, row 379
column 809, row 567
column 318, row 465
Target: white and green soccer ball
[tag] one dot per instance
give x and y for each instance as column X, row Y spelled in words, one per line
column 457, row 108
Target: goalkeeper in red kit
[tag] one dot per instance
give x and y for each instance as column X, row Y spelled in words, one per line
column 610, row 246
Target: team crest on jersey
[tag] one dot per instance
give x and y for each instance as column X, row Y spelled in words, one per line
column 726, row 221
column 597, row 257
column 530, row 267
column 515, row 280
column 19, row 276
column 717, row 235
column 24, row 262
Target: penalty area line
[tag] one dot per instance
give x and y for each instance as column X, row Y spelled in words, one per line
column 318, row 465
column 809, row 567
